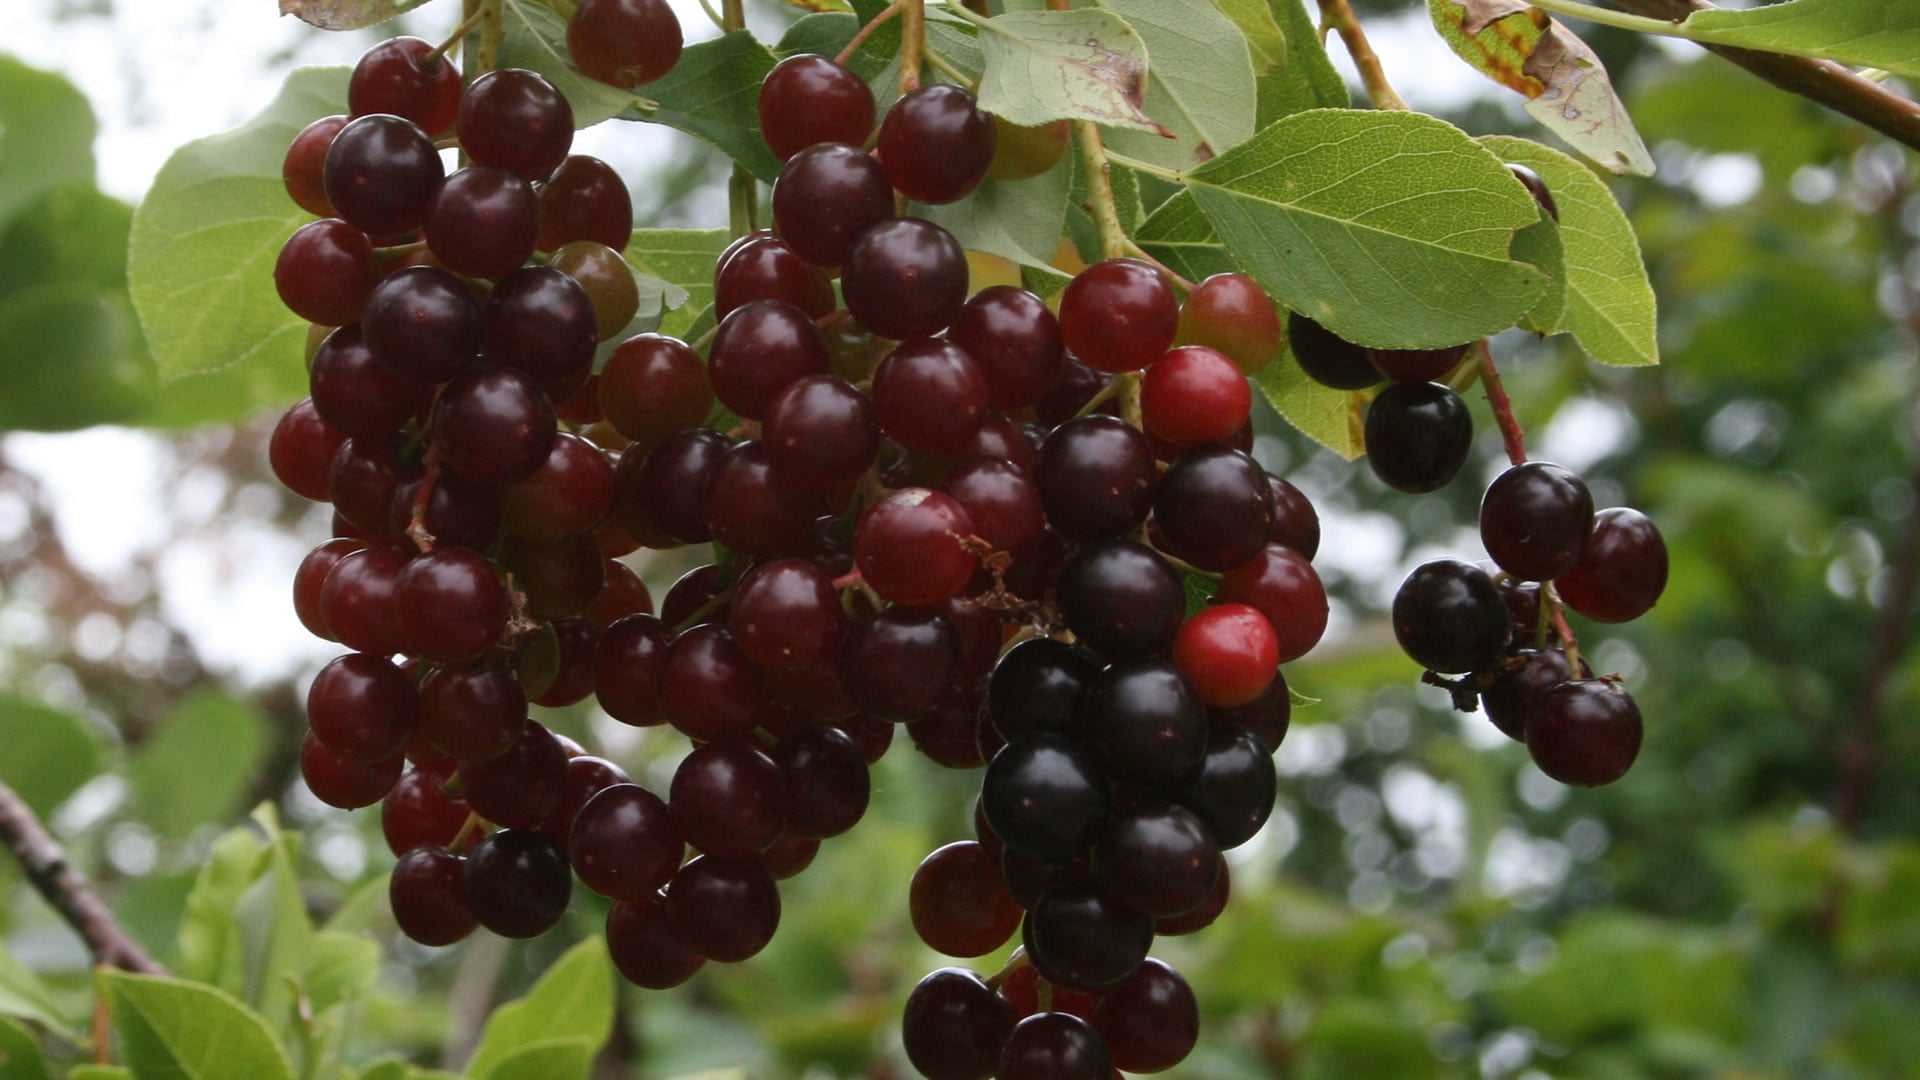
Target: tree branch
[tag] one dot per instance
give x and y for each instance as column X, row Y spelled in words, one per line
column 54, row 878
column 1820, row 81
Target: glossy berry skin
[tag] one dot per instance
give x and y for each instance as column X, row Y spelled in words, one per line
column 521, row 788
column 428, row 898
column 1195, row 394
column 1536, row 187
column 1214, row 508
column 472, row 713
column 1586, row 732
column 585, row 199
column 518, row 883
column 1151, row 1022
column 381, row 174
column 540, row 321
column 928, row 395
column 821, row 430
column 758, row 349
column 1145, row 722
column 453, row 605
column 1510, row 700
column 904, row 278
column 808, row 99
column 483, row 222
column 302, row 449
column 1021, row 152
column 624, row 42
column 729, row 799
column 1231, row 313
column 1083, row 938
column 348, row 785
column 654, row 385
column 724, row 909
column 306, row 159
column 1284, row 587
column 627, row 665
column 955, row 1026
column 1003, row 503
column 325, row 272
column 1327, row 358
column 1096, row 476
column 1119, row 315
column 786, row 614
column 1295, row 522
column 422, row 323
column 1449, row 617
column 355, row 395
column 709, row 689
column 515, row 118
column 1229, row 653
column 396, row 77
column 1535, row 520
column 936, row 144
column 1045, row 797
column 1054, row 1046
column 959, row 904
column 1418, row 435
column 828, row 785
column 1122, row 599
column 493, row 426
column 1417, row 365
column 362, row 708
column 765, row 268
column 1623, row 571
column 908, row 547
column 826, row 196
column 1233, row 789
column 644, row 947
column 899, row 662
column 1038, row 685
column 1015, row 339
column 1157, row 857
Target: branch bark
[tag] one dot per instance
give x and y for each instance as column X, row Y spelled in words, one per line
column 1821, row 81
column 53, row 877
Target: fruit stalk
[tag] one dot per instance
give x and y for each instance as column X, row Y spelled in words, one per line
column 1510, row 432
column 1336, row 14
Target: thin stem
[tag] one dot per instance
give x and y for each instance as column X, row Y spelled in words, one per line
column 1100, row 200
column 466, row 25
column 417, row 525
column 947, row 68
column 1557, row 614
column 913, row 43
column 46, row 866
column 743, row 191
column 1140, row 253
column 1610, row 17
column 1502, row 406
column 1105, row 395
column 865, row 32
column 713, row 15
column 1337, row 14
column 1173, row 176
column 1129, row 383
column 492, row 30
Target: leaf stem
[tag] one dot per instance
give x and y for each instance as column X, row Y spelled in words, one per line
column 913, row 43
column 1100, row 201
column 946, row 68
column 865, row 32
column 1140, row 253
column 1172, row 176
column 713, row 15
column 1339, row 16
column 1610, row 17
column 466, row 26
column 492, row 29
column 743, row 191
column 1502, row 406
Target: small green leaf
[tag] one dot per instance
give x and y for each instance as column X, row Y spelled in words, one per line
column 276, row 932
column 172, row 1028
column 683, row 259
column 547, row 1059
column 1872, row 33
column 341, row 968
column 1308, row 79
column 570, row 1008
column 1016, row 219
column 75, row 358
column 1200, row 82
column 173, row 790
column 210, row 946
column 345, row 14
column 1389, row 228
column 22, row 994
column 1045, row 282
column 204, row 240
column 713, row 93
column 46, row 135
column 1610, row 306
column 536, row 39
column 1566, row 86
column 49, row 752
column 1299, row 700
column 1265, row 39
column 1082, row 65
column 1329, row 417
column 20, row 1057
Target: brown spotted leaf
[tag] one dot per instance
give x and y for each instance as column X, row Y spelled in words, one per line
column 345, row 14
column 822, row 5
column 1567, row 88
column 1200, row 81
column 1048, row 65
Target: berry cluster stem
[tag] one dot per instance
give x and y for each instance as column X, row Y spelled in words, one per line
column 466, row 27
column 1557, row 611
column 913, row 43
column 1510, row 431
column 1336, row 15
column 743, row 191
column 1100, row 201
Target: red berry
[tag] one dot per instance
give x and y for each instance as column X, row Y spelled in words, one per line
column 1229, row 652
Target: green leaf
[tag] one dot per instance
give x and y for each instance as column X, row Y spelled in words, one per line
column 20, row 1057
column 71, row 234
column 1017, row 219
column 1540, row 245
column 345, row 14
column 683, row 258
column 341, row 968
column 49, row 752
column 99, row 1072
column 569, row 1010
column 1329, row 417
column 1389, row 228
column 1178, row 234
column 46, row 135
column 1045, row 282
column 211, row 950
column 1200, row 589
column 713, row 93
column 22, row 994
column 1566, row 86
column 1082, row 65
column 1200, row 82
column 204, row 240
column 1873, row 33
column 548, row 1059
column 74, row 358
column 1308, row 79
column 1610, row 306
column 276, row 932
column 1265, row 39
column 536, row 39
column 174, row 791
column 170, row 1028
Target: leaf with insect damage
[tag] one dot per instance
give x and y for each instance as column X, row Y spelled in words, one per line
column 1081, row 65
column 345, row 14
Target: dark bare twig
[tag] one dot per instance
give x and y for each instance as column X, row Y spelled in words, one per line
column 53, row 877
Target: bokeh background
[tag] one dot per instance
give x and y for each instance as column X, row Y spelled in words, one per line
column 1744, row 904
